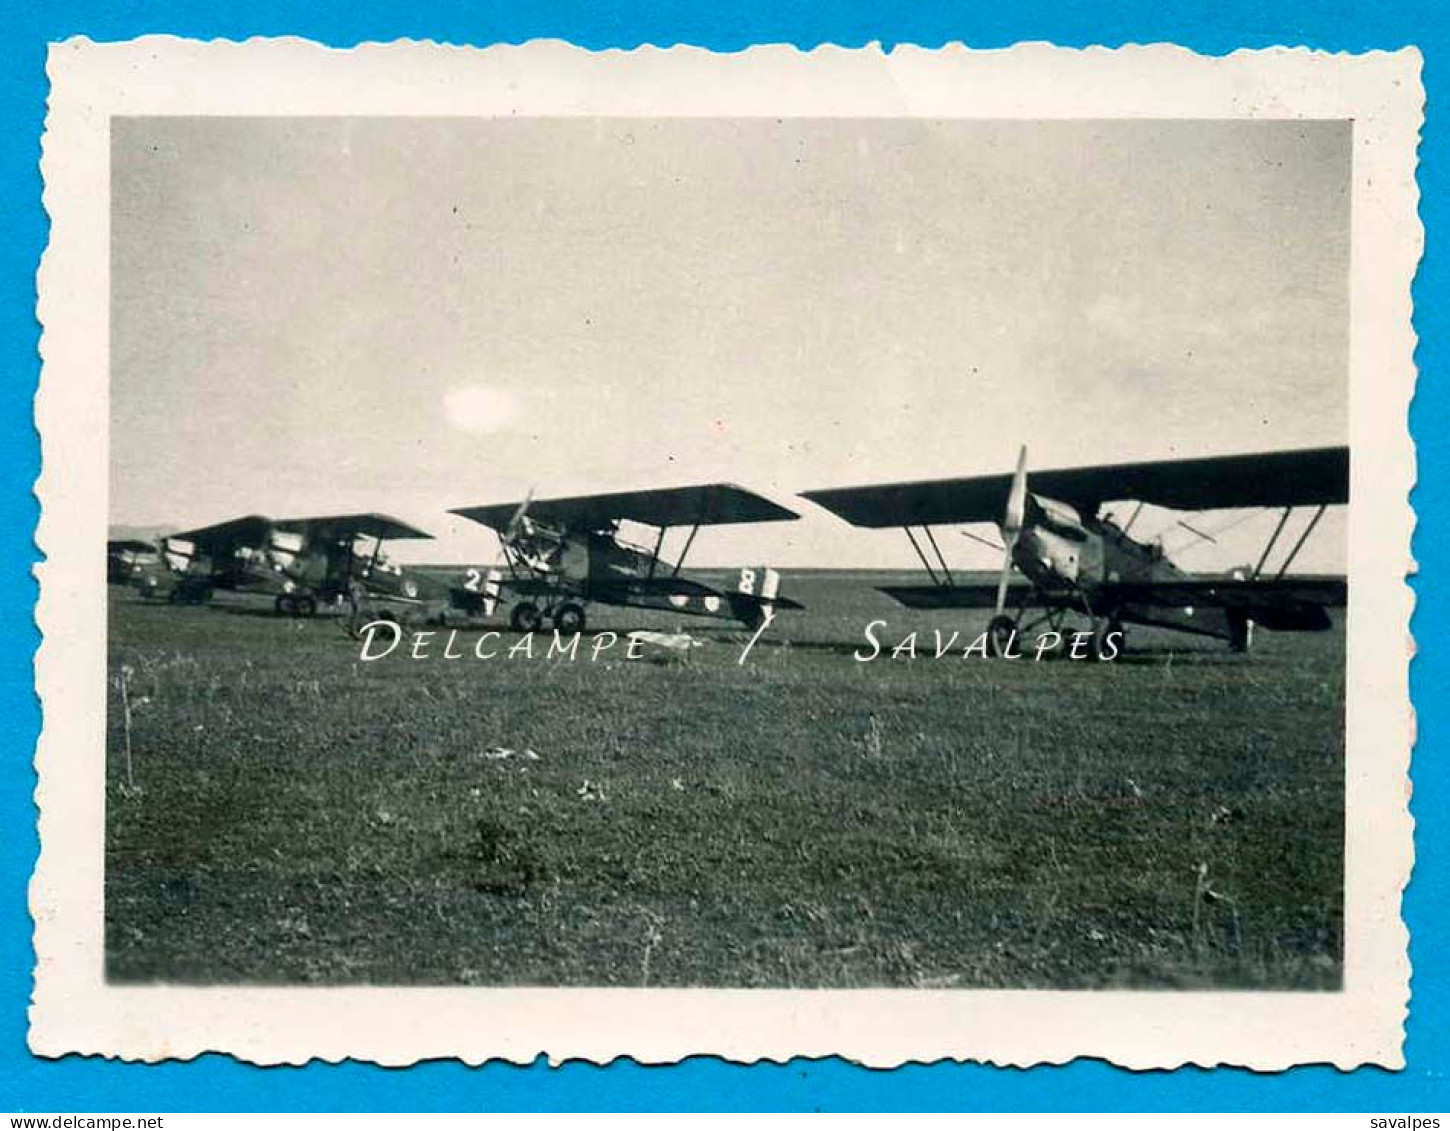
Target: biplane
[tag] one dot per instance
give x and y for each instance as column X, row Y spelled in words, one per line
column 129, row 560
column 228, row 555
column 1064, row 557
column 561, row 555
column 305, row 564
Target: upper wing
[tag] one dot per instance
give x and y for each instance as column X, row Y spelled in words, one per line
column 250, row 530
column 1305, row 477
column 708, row 505
column 343, row 527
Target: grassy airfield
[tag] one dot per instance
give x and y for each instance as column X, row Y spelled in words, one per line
column 293, row 815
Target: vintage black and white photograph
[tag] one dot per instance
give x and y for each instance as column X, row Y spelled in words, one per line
column 815, row 551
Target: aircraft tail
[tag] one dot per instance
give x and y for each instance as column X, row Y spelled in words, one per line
column 480, row 592
column 757, row 589
column 492, row 587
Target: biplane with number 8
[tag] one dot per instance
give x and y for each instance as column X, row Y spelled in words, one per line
column 310, row 564
column 563, row 554
column 1074, row 561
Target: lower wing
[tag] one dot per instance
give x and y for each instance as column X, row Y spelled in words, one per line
column 667, row 587
column 1288, row 602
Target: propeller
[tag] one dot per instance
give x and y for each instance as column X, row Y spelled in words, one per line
column 493, row 573
column 1012, row 521
column 512, row 530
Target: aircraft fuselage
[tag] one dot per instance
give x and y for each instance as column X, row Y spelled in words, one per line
column 579, row 566
column 1058, row 549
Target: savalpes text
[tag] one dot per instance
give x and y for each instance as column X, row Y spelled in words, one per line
column 939, row 645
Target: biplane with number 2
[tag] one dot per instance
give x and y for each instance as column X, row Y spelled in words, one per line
column 1063, row 557
column 561, row 555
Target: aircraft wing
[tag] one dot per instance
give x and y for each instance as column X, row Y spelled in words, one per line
column 344, row 527
column 708, row 505
column 129, row 545
column 971, row 595
column 1260, row 598
column 250, row 530
column 1232, row 593
column 672, row 586
column 1304, row 477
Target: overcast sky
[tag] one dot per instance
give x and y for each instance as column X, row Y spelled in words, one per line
column 405, row 315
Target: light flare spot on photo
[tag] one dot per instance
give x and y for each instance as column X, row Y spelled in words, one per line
column 480, row 409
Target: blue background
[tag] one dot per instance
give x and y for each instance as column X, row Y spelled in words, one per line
column 76, row 1084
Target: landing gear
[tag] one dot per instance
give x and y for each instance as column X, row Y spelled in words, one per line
column 526, row 617
column 569, row 618
column 1053, row 632
column 295, row 605
column 1001, row 634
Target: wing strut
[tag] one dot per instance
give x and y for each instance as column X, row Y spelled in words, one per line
column 930, row 537
column 997, row 546
column 372, row 563
column 915, row 545
column 655, row 558
column 1264, row 557
column 1299, row 545
column 1197, row 533
column 507, row 554
column 690, row 541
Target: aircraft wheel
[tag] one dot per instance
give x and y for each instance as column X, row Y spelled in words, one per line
column 176, row 596
column 1000, row 631
column 285, row 605
column 526, row 617
column 1103, row 649
column 569, row 618
column 304, row 606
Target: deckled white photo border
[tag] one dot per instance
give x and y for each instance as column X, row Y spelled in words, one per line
column 75, row 1010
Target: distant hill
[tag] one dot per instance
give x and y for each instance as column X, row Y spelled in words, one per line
column 122, row 533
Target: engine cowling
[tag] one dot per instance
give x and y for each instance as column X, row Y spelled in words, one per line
column 1059, row 517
